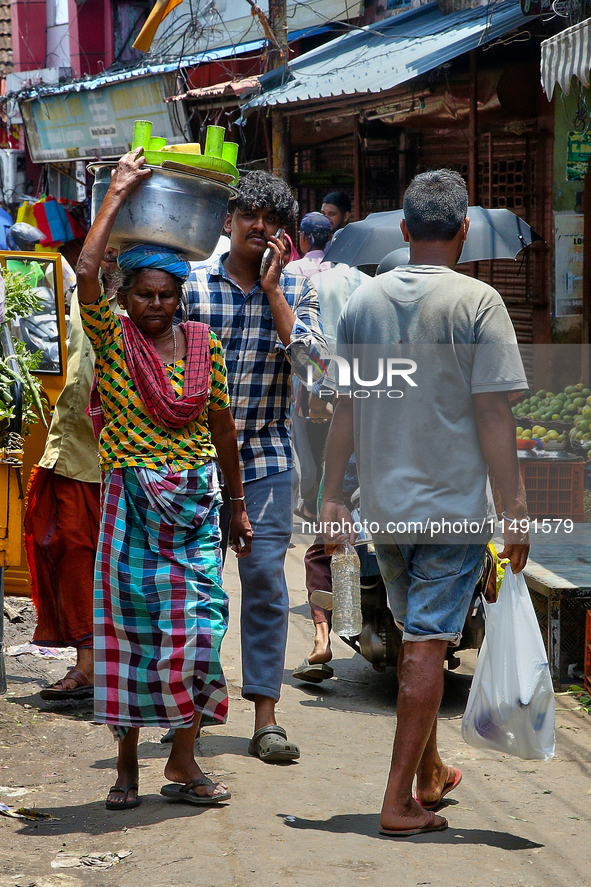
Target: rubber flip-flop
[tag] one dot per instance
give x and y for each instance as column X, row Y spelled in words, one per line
column 430, row 826
column 312, row 672
column 179, row 792
column 449, row 786
column 270, row 744
column 126, row 804
column 84, row 690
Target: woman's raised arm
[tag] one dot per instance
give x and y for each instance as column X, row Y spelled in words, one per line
column 128, row 173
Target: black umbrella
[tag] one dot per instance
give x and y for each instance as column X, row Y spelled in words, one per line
column 493, row 234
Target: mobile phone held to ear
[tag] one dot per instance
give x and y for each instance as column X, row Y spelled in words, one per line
column 268, row 255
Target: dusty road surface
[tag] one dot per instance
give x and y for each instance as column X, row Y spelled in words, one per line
column 512, row 823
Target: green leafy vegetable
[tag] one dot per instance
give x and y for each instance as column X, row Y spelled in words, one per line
column 21, row 300
column 21, row 297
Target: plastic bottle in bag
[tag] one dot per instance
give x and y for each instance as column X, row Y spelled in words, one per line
column 346, row 590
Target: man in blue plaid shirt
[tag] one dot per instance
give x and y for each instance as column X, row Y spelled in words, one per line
column 269, row 326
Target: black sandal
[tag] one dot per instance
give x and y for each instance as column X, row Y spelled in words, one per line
column 126, row 804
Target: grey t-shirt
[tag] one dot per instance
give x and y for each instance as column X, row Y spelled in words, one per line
column 416, row 442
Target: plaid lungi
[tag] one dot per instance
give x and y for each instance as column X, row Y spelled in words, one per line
column 160, row 611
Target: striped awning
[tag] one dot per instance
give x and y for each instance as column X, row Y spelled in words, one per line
column 567, row 55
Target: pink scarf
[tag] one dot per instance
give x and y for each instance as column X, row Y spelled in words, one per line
column 151, row 380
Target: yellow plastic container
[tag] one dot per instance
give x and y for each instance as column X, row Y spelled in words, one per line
column 187, row 148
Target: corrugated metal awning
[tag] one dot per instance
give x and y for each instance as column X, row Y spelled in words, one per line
column 238, row 89
column 383, row 55
column 566, row 55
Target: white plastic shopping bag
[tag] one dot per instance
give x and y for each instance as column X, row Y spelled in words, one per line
column 511, row 703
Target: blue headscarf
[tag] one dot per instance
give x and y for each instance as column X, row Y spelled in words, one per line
column 142, row 256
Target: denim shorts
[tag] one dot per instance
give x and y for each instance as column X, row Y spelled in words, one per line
column 430, row 587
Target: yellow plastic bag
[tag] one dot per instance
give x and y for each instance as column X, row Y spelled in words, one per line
column 500, row 565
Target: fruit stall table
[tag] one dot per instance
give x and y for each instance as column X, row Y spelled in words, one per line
column 554, row 485
column 558, row 576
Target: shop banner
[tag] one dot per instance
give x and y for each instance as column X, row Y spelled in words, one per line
column 568, row 263
column 98, row 123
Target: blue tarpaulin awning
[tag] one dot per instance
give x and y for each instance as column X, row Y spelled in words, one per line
column 381, row 56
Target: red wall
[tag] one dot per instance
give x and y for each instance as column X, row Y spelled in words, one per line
column 28, row 34
column 91, row 40
column 91, row 35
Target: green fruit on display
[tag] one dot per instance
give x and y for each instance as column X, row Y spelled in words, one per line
column 579, row 401
column 541, row 393
column 570, row 389
column 586, row 392
column 534, row 402
column 539, row 414
column 556, row 417
column 571, row 409
column 579, row 386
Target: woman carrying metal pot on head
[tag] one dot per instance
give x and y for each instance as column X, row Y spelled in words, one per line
column 161, row 404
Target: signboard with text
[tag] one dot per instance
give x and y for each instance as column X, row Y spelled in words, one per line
column 98, row 123
column 578, row 156
column 568, row 263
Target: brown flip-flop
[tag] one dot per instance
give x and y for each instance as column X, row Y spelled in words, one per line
column 178, row 792
column 430, row 826
column 84, row 689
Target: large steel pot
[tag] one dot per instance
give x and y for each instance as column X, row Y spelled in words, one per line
column 175, row 209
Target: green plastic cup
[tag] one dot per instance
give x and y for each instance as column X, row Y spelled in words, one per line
column 214, row 141
column 142, row 130
column 156, row 142
column 230, row 152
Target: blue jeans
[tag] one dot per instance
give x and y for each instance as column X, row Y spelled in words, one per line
column 265, row 603
column 430, row 587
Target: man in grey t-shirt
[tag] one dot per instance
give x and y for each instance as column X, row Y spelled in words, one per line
column 432, row 356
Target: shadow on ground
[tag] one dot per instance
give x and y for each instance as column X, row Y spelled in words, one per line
column 380, row 690
column 210, row 745
column 94, row 819
column 79, row 709
column 368, row 824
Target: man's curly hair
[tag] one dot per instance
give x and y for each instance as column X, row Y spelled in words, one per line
column 261, row 190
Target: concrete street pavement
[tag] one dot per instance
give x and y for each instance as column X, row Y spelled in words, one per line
column 513, row 823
